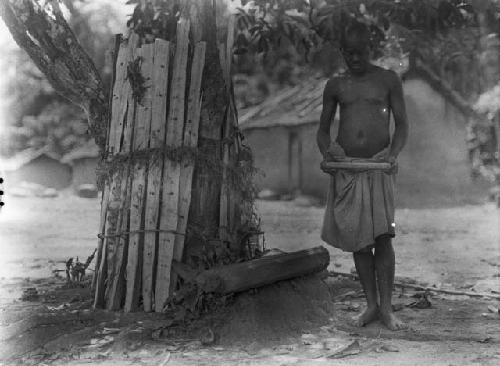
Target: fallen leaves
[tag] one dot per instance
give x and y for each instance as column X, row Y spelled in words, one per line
column 423, row 301
column 351, row 349
column 493, row 309
column 30, row 294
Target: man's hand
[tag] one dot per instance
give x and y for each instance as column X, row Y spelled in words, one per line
column 334, row 152
column 394, row 164
column 385, row 156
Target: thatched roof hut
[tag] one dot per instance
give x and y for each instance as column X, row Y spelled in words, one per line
column 434, row 166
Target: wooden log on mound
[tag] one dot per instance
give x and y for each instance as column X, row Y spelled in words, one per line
column 258, row 272
column 354, row 165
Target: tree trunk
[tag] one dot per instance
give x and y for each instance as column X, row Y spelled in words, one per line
column 170, row 145
column 54, row 49
column 197, row 201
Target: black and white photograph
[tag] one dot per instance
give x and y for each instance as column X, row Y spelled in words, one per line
column 254, row 183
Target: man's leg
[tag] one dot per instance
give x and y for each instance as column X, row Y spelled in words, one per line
column 365, row 266
column 385, row 267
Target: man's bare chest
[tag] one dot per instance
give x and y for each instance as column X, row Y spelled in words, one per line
column 369, row 91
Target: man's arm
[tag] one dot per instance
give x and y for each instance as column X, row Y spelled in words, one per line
column 397, row 105
column 327, row 114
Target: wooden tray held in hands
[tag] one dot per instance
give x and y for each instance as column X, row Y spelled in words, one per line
column 354, row 165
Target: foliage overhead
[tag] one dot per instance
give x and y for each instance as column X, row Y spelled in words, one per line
column 38, row 116
column 308, row 22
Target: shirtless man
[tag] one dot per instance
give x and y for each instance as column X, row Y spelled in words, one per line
column 359, row 217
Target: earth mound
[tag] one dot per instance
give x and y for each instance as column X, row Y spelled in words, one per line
column 276, row 312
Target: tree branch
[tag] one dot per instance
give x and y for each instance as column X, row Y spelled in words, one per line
column 47, row 38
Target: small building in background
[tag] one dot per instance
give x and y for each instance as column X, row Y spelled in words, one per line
column 434, row 167
column 38, row 166
column 84, row 162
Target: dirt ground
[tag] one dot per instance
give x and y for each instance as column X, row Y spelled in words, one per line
column 449, row 248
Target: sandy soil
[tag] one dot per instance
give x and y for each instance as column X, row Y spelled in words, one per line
column 455, row 247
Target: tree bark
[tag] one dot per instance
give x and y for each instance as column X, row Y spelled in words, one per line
column 45, row 35
column 205, row 199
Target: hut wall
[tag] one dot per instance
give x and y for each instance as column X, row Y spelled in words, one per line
column 270, row 149
column 314, row 180
column 42, row 170
column 84, row 171
column 433, row 166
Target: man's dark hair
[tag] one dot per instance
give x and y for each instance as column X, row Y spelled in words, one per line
column 355, row 30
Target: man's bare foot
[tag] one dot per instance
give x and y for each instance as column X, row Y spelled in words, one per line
column 391, row 321
column 367, row 316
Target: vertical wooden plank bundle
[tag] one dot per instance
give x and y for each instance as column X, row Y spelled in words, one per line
column 137, row 199
column 190, row 141
column 115, row 262
column 225, row 54
column 156, row 140
column 109, row 221
column 111, row 59
column 171, row 168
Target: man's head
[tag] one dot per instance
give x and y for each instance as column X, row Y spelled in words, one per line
column 355, row 47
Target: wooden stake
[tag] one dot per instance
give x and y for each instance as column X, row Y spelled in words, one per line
column 137, row 199
column 190, row 140
column 171, row 169
column 157, row 139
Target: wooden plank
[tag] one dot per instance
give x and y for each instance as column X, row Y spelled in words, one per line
column 100, row 266
column 226, row 61
column 190, row 140
column 111, row 61
column 171, row 169
column 140, row 142
column 109, row 240
column 259, row 272
column 116, row 278
column 156, row 140
column 111, row 190
column 223, row 213
column 117, row 245
column 116, row 98
column 117, row 283
column 121, row 107
column 223, row 64
column 233, row 196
